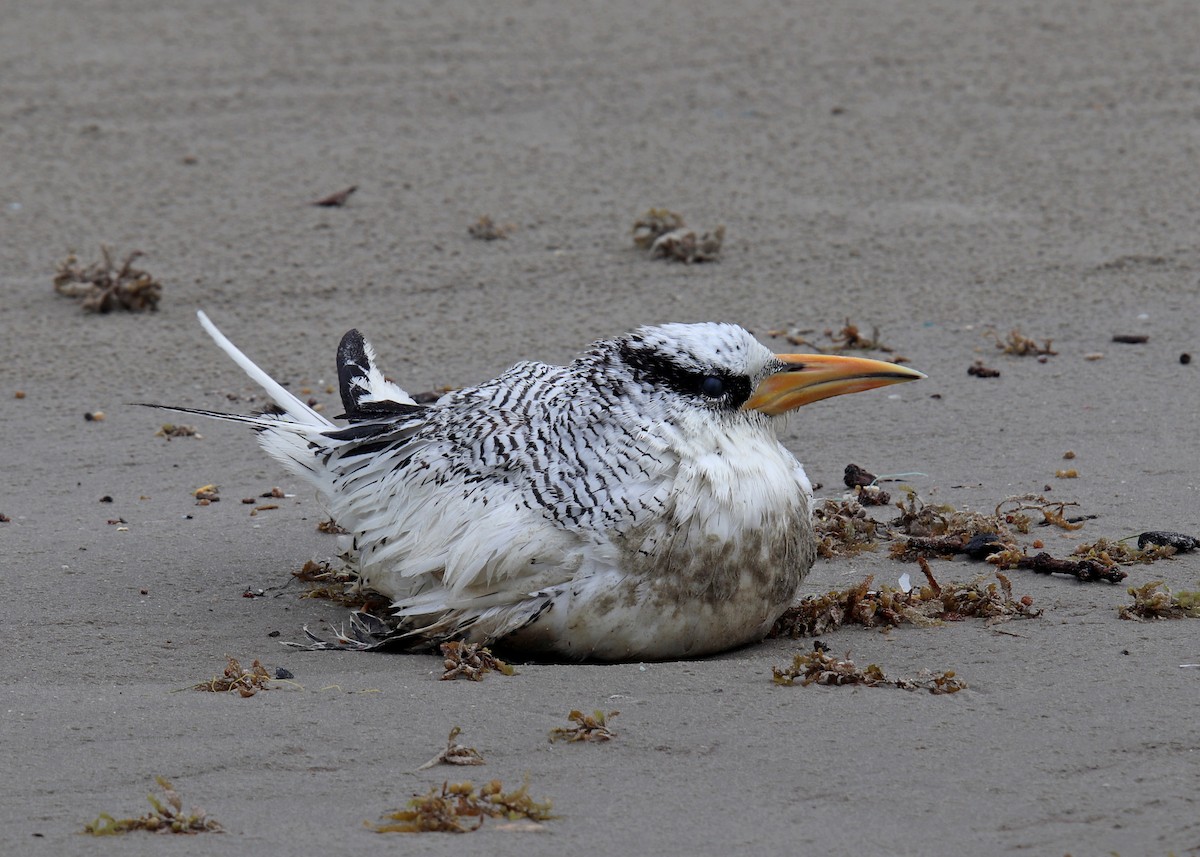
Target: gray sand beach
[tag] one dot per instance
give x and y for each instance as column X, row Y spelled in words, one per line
column 942, row 171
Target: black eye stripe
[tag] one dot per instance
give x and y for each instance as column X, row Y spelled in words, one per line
column 652, row 367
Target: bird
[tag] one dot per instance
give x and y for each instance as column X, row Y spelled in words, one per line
column 636, row 504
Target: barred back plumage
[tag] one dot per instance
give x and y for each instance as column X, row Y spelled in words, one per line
column 633, row 504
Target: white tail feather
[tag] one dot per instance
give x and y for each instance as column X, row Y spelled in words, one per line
column 295, row 408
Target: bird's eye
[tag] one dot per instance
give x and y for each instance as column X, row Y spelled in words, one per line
column 712, row 386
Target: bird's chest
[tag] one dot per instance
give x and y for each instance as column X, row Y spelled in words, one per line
column 730, row 547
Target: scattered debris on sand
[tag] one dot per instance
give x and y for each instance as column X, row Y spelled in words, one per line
column 207, row 494
column 664, row 233
column 1156, row 601
column 461, row 808
column 1121, row 553
column 341, row 586
column 486, row 229
column 843, row 528
column 103, row 286
column 980, row 371
column 654, row 224
column 472, row 661
column 849, row 337
column 1085, row 570
column 170, row 430
column 1019, row 345
column 588, row 727
column 168, row 817
column 246, row 682
column 335, row 200
column 890, row 607
column 454, row 753
column 820, row 667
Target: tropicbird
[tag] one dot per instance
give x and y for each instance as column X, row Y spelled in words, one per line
column 635, row 504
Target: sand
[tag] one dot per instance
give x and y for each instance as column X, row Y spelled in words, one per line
column 936, row 169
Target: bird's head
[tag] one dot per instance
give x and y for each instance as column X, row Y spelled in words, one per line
column 723, row 368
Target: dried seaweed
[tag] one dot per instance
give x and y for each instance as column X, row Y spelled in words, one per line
column 655, row 223
column 688, row 246
column 1155, row 601
column 820, row 667
column 170, row 430
column 979, row 370
column 1085, row 570
column 332, row 527
column 461, row 808
column 918, row 518
column 664, row 233
column 206, row 494
column 888, row 607
column 1119, row 553
column 485, row 229
column 341, row 586
column 844, row 529
column 167, row 817
column 103, row 286
column 588, row 727
column 472, row 661
column 1019, row 345
column 455, row 753
column 850, row 337
column 972, row 533
column 246, row 682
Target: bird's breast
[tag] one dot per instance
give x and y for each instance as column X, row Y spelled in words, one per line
column 713, row 569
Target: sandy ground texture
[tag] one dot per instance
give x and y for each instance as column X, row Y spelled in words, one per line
column 937, row 169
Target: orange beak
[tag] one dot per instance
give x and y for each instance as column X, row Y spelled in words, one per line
column 808, row 378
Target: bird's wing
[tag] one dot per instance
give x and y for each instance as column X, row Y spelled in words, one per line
column 435, row 527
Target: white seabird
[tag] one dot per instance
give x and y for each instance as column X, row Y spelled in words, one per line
column 633, row 505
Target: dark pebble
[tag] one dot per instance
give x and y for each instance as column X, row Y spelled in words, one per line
column 1185, row 358
column 280, row 672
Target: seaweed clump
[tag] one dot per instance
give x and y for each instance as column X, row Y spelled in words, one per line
column 1020, row 345
column 850, row 336
column 486, row 229
column 888, row 607
column 105, row 286
column 655, row 223
column 1119, row 553
column 455, row 753
column 844, row 529
column 1155, row 601
column 820, row 667
column 461, row 808
column 664, row 233
column 167, row 817
column 246, row 681
column 588, row 727
column 472, row 661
